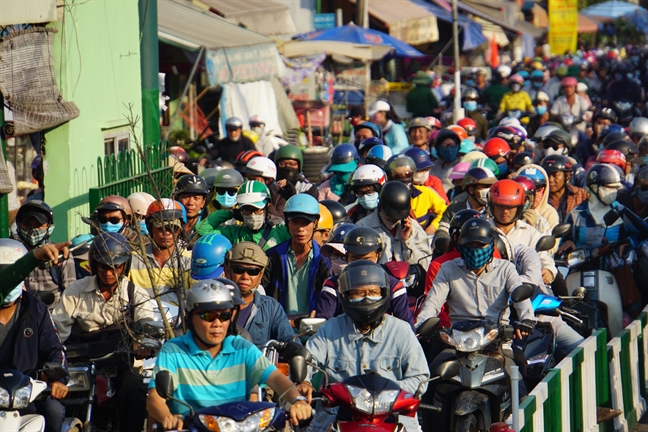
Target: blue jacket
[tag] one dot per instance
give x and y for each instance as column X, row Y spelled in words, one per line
column 268, row 321
column 396, row 138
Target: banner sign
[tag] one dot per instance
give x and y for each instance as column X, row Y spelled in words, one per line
column 244, row 64
column 563, row 26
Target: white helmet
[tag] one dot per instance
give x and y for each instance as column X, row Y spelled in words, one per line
column 139, row 202
column 256, row 120
column 368, row 175
column 210, row 294
column 10, row 252
column 261, row 166
column 510, row 121
column 639, row 127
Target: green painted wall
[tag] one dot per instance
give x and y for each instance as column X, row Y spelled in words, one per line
column 97, row 63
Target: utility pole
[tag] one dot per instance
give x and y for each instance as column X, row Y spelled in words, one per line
column 362, row 13
column 458, row 112
column 150, row 67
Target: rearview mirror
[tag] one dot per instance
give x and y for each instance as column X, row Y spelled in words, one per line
column 521, row 293
column 54, row 371
column 428, row 327
column 298, row 357
column 46, row 297
column 164, row 384
column 149, row 328
column 545, row 243
column 309, row 326
column 561, row 230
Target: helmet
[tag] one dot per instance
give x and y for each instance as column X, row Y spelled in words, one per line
column 165, row 211
column 459, row 171
column 467, row 146
column 503, row 71
column 542, row 97
column 627, row 147
column 638, row 127
column 256, row 120
column 419, row 122
column 478, row 230
column 478, row 176
column 434, row 122
column 38, row 209
column 614, row 157
column 556, row 138
column 363, row 240
column 398, row 161
column 537, row 66
column 191, row 184
column 10, row 252
column 375, row 130
column 340, row 232
column 605, row 113
column 516, row 78
column 461, row 132
column 115, row 203
column 244, row 157
column 468, row 125
column 527, row 185
column 179, row 153
column 342, row 156
column 208, row 174
column 486, row 163
column 568, row 82
column 233, row 289
column 208, row 256
column 509, row 121
column 522, row 158
column 395, row 200
column 290, row 152
column 496, row 147
column 420, row 157
column 210, row 294
column 444, row 134
column 228, row 178
column 253, row 193
column 469, row 93
column 534, row 174
column 507, row 193
column 302, row 206
column 233, row 123
column 337, row 210
column 513, row 135
column 537, row 74
column 543, row 131
column 140, row 202
column 460, row 218
column 603, row 175
column 111, row 249
column 368, row 175
column 557, row 163
column 359, row 274
column 369, row 143
column 261, row 166
column 325, row 221
column 247, row 253
column 610, row 129
column 379, row 155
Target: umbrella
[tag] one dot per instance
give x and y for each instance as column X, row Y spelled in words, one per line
column 352, row 50
column 612, row 9
column 361, row 35
column 639, row 19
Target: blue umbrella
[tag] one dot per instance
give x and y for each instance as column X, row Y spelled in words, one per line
column 360, row 35
column 612, row 9
column 639, row 19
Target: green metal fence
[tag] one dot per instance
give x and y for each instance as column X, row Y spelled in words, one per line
column 126, row 173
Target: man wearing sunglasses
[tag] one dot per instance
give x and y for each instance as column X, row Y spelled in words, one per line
column 191, row 191
column 212, row 366
column 262, row 316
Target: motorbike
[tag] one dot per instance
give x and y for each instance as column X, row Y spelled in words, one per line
column 472, row 390
column 626, row 112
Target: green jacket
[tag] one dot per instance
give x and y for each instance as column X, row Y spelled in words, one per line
column 12, row 275
column 493, row 94
column 421, row 101
column 273, row 234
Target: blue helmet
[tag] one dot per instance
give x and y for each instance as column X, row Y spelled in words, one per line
column 534, row 174
column 341, row 230
column 208, row 256
column 369, row 143
column 421, row 158
column 110, row 249
column 378, row 155
column 302, row 205
column 375, row 130
column 612, row 128
column 537, row 74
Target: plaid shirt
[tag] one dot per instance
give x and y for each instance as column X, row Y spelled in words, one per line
column 44, row 279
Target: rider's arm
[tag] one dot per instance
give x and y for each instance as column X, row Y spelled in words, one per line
column 512, row 281
column 435, row 298
column 399, row 306
column 327, row 301
column 414, row 366
column 160, row 412
column 213, row 222
column 280, row 328
column 417, row 246
column 12, row 275
column 62, row 314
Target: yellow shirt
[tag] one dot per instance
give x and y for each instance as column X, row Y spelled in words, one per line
column 516, row 101
column 427, row 206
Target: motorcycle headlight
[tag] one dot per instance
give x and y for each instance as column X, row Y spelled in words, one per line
column 79, row 378
column 446, row 338
column 258, row 421
column 4, row 398
column 365, row 402
column 22, row 396
column 576, row 258
column 473, row 340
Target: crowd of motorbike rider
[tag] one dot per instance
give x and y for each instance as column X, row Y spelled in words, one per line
column 243, row 247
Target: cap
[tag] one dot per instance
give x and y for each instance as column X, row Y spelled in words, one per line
column 38, row 215
column 379, row 106
column 311, row 217
column 247, row 253
column 158, row 223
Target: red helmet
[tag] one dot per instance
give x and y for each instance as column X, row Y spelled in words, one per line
column 469, row 125
column 507, row 193
column 434, row 122
column 179, row 153
column 461, row 132
column 244, row 157
column 529, row 187
column 614, row 157
column 164, row 210
column 496, row 147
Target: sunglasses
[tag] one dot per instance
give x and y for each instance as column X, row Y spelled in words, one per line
column 252, row 271
column 404, row 175
column 211, row 316
column 113, row 220
column 228, row 191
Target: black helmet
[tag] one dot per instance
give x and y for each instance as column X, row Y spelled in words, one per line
column 603, row 175
column 363, row 240
column 460, row 218
column 398, row 161
column 613, row 136
column 38, row 209
column 111, row 249
column 191, row 184
column 395, row 200
column 478, row 230
column 557, row 163
column 606, row 113
column 360, row 274
column 641, row 178
column 337, row 210
column 556, row 138
column 444, row 134
column 340, row 232
column 627, row 147
column 522, row 158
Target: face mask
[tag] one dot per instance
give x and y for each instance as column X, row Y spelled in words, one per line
column 226, row 200
column 258, row 130
column 142, row 227
column 618, row 76
column 550, row 151
column 630, row 75
column 389, row 223
column 289, row 174
column 368, row 299
column 111, row 227
column 254, row 221
column 536, row 85
column 503, row 169
column 641, row 195
column 470, row 105
column 235, row 139
column 421, row 177
column 645, row 160
column 542, row 109
column 606, row 195
column 470, row 82
column 481, row 196
column 343, row 177
column 474, row 257
column 369, row 201
column 35, row 236
column 13, row 295
column 448, row 154
column 516, row 87
column 338, row 264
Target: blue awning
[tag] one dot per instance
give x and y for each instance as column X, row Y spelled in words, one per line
column 472, row 31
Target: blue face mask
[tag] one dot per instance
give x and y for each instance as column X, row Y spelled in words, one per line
column 645, row 160
column 111, row 227
column 448, row 154
column 470, row 105
column 369, row 201
column 470, row 82
column 369, row 299
column 226, row 200
column 503, row 170
column 542, row 109
column 13, row 295
column 536, row 84
column 474, row 257
column 142, row 227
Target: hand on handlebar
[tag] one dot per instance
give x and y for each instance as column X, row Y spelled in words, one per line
column 523, row 328
column 51, row 251
column 59, row 390
column 172, row 422
column 567, row 247
column 300, row 411
column 306, row 389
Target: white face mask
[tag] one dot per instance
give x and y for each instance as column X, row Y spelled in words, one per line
column 550, row 151
column 421, row 177
column 254, row 221
column 481, row 196
column 258, row 130
column 606, row 195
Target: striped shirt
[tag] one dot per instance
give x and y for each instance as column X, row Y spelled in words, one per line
column 175, row 273
column 203, row 381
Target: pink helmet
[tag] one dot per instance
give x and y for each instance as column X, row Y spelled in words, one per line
column 517, row 78
column 569, row 82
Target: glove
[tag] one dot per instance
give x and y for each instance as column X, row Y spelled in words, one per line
column 530, row 216
column 525, row 326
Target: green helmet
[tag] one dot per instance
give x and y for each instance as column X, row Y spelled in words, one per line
column 253, row 193
column 486, row 163
column 290, row 152
column 227, row 178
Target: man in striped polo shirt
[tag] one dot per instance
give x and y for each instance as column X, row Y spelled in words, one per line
column 210, row 365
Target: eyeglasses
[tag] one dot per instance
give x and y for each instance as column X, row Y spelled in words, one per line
column 252, row 271
column 248, row 210
column 211, row 316
column 228, row 191
column 113, row 220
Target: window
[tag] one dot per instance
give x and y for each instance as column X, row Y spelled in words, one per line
column 114, row 144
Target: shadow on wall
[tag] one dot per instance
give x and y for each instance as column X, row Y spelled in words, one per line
column 67, row 215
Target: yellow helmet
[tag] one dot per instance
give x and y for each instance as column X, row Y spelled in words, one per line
column 253, row 136
column 326, row 219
